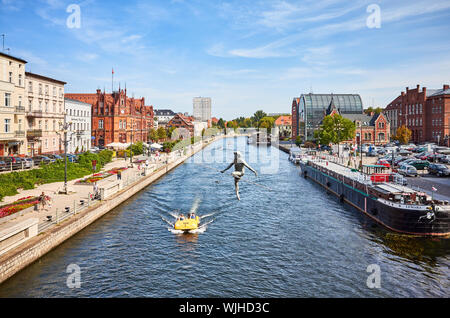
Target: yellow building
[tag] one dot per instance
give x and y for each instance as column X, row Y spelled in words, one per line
column 12, row 111
column 45, row 114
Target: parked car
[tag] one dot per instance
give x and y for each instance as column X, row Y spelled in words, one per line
column 56, row 157
column 438, row 169
column 407, row 170
column 446, row 159
column 383, row 162
column 3, row 166
column 28, row 163
column 372, row 154
column 39, row 159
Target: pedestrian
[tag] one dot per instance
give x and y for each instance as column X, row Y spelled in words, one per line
column 95, row 189
column 119, row 175
column 42, row 200
column 146, row 163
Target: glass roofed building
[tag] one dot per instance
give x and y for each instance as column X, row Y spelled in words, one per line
column 310, row 109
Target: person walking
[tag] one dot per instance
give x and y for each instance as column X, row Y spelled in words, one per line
column 119, row 175
column 42, row 201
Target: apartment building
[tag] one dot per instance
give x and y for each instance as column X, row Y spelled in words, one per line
column 45, row 114
column 12, row 112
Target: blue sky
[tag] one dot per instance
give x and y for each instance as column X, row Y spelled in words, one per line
column 245, row 55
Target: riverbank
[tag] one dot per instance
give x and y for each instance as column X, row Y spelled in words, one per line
column 114, row 193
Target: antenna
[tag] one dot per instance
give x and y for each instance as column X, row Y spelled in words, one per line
column 3, row 36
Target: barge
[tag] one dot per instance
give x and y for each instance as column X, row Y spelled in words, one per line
column 394, row 206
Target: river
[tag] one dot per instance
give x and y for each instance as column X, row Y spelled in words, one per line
column 285, row 238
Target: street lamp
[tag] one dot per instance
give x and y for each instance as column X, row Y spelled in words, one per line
column 64, row 128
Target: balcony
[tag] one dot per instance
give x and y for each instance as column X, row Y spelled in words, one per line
column 19, row 134
column 6, row 136
column 19, row 109
column 35, row 113
column 34, row 133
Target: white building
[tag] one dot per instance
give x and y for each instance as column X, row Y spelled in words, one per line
column 79, row 134
column 199, row 126
column 202, row 108
column 163, row 116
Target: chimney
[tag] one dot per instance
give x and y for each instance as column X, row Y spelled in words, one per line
column 418, row 86
column 98, row 91
column 446, row 87
column 407, row 89
column 403, row 93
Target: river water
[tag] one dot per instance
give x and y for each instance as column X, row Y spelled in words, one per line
column 285, row 238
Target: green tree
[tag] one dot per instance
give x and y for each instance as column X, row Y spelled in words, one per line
column 161, row 132
column 403, row 134
column 266, row 122
column 257, row 116
column 298, row 141
column 153, row 135
column 335, row 129
column 221, row 123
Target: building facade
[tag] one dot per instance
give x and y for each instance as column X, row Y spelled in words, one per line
column 12, row 111
column 202, row 108
column 45, row 114
column 163, row 116
column 78, row 115
column 181, row 121
column 116, row 117
column 310, row 109
column 391, row 112
column 426, row 112
column 370, row 128
column 284, row 126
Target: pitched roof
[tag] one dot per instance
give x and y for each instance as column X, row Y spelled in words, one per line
column 283, row 120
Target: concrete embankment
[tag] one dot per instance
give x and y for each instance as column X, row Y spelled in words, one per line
column 23, row 255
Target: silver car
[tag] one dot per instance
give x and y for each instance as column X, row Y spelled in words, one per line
column 407, row 170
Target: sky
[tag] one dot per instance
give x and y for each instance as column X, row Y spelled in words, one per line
column 244, row 54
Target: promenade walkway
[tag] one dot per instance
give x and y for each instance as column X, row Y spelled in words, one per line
column 78, row 192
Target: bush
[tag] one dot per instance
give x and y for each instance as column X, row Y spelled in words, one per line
column 48, row 173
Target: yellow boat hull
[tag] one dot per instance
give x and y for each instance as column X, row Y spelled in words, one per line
column 187, row 224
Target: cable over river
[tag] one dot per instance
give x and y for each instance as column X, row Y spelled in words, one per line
column 285, row 238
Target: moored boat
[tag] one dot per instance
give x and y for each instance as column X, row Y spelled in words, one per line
column 390, row 204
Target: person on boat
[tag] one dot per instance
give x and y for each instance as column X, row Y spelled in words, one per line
column 239, row 167
column 181, row 217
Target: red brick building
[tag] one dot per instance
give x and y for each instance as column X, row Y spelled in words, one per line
column 116, row 117
column 181, row 121
column 373, row 128
column 426, row 112
column 295, row 118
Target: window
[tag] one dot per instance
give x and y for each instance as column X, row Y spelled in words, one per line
column 46, row 125
column 20, row 79
column 54, row 107
column 7, row 99
column 30, row 86
column 20, row 100
column 54, row 91
column 10, row 77
column 7, row 125
column 100, row 124
column 46, row 143
column 40, row 124
column 20, row 124
column 40, row 89
column 46, row 89
column 46, row 107
column 54, row 124
column 40, row 105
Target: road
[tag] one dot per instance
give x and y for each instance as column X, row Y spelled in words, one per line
column 426, row 182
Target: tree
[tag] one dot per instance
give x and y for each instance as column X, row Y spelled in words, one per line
column 266, row 122
column 403, row 134
column 153, row 135
column 221, row 123
column 257, row 117
column 335, row 129
column 368, row 110
column 161, row 132
column 298, row 141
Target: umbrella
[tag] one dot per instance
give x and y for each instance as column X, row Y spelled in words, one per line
column 156, row 146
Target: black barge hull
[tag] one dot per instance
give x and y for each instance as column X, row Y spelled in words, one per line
column 402, row 220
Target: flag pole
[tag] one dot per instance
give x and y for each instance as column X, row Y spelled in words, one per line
column 112, row 81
